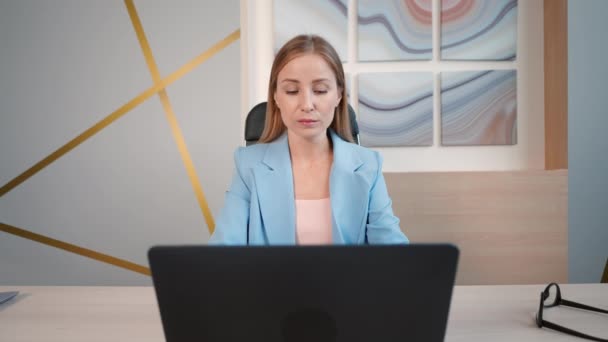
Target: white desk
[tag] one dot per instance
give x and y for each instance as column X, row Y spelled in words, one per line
column 478, row 313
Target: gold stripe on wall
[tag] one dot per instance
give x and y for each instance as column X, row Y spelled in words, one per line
column 120, row 112
column 171, row 118
column 45, row 240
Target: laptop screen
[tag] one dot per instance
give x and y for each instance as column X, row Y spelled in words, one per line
column 324, row 293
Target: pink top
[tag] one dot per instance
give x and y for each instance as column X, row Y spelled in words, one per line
column 313, row 222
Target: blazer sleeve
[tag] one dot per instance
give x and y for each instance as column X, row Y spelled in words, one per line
column 382, row 224
column 231, row 225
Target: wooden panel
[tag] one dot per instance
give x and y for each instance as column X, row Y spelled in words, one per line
column 556, row 84
column 511, row 227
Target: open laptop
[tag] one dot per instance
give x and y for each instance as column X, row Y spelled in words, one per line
column 292, row 294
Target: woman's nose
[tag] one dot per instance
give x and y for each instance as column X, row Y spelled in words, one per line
column 306, row 101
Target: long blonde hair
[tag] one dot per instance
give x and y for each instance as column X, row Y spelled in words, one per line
column 297, row 46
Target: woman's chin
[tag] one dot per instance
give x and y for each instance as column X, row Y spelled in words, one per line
column 310, row 134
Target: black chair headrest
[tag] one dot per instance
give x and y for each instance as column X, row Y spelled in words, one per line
column 254, row 124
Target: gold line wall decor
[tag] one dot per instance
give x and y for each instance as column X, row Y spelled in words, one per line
column 186, row 68
column 45, row 240
column 170, row 114
column 158, row 87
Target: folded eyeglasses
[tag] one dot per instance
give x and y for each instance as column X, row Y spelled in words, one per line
column 552, row 297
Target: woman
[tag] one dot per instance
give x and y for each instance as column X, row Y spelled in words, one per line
column 306, row 182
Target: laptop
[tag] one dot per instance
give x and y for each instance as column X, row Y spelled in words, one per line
column 293, row 294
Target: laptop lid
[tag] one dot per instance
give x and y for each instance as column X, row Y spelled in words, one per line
column 291, row 294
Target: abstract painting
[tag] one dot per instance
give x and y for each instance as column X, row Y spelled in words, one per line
column 479, row 108
column 327, row 18
column 479, row 30
column 391, row 30
column 396, row 109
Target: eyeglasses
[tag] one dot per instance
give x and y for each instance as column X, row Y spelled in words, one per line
column 547, row 296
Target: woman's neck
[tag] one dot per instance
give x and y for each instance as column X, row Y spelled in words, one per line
column 302, row 149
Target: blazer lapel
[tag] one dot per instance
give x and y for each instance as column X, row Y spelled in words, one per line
column 349, row 194
column 274, row 184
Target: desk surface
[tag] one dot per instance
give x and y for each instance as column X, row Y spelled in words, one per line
column 478, row 313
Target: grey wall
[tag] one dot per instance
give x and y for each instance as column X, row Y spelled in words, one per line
column 587, row 139
column 65, row 65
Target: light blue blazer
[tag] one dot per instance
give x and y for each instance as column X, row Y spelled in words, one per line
column 259, row 208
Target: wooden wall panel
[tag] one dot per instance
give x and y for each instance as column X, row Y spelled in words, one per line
column 511, row 227
column 556, row 84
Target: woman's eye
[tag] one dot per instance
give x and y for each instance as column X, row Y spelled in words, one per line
column 320, row 91
column 291, row 92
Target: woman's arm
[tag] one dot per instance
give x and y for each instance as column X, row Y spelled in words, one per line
column 231, row 225
column 382, row 224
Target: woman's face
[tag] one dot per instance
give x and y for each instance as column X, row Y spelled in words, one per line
column 307, row 95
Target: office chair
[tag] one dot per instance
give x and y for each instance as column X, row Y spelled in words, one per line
column 254, row 124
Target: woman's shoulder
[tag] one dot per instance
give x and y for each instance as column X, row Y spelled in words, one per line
column 249, row 155
column 364, row 154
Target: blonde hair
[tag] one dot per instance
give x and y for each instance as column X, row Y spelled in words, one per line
column 297, row 46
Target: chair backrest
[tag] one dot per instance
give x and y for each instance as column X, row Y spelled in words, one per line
column 254, row 124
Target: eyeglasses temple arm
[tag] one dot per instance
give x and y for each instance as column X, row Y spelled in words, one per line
column 581, row 306
column 571, row 332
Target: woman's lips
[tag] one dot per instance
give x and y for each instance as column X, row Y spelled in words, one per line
column 307, row 122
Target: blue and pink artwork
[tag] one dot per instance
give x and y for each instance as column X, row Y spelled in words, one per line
column 479, row 30
column 479, row 108
column 396, row 109
column 327, row 18
column 392, row 30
